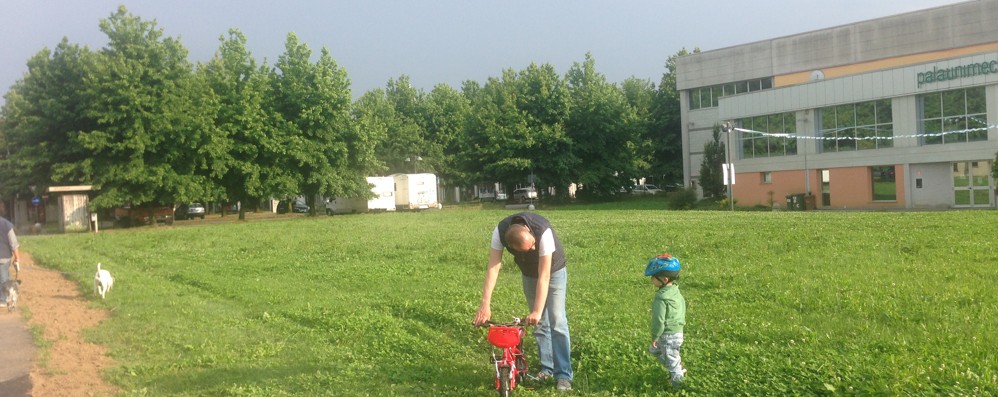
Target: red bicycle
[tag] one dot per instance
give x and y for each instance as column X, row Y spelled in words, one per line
column 510, row 364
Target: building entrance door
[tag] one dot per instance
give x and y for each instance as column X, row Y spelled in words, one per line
column 972, row 184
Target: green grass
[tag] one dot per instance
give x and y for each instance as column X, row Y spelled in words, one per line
column 779, row 303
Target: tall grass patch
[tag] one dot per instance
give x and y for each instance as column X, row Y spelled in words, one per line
column 381, row 304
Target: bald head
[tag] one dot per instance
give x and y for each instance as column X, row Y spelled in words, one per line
column 518, row 237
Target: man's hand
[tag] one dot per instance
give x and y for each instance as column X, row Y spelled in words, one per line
column 483, row 316
column 533, row 318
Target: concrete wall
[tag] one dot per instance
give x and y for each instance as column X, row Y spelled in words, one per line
column 952, row 26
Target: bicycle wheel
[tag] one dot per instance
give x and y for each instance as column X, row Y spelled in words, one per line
column 504, row 382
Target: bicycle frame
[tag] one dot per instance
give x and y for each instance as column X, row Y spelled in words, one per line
column 510, row 364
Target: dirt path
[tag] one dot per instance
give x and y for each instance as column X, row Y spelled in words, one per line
column 69, row 366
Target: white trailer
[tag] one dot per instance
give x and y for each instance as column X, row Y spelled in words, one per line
column 416, row 191
column 384, row 192
column 383, row 188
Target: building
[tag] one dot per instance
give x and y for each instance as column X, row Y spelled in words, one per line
column 896, row 112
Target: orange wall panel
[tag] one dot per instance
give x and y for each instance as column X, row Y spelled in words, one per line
column 849, row 188
column 881, row 64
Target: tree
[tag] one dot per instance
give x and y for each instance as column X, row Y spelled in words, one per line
column 311, row 103
column 405, row 148
column 152, row 118
column 711, row 175
column 603, row 129
column 516, row 129
column 243, row 164
column 665, row 128
column 444, row 119
column 43, row 114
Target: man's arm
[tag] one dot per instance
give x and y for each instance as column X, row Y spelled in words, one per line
column 543, row 281
column 491, row 275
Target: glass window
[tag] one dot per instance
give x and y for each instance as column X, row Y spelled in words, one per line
column 883, row 111
column 767, row 177
column 729, row 89
column 695, row 99
column 884, row 185
column 767, row 83
column 955, row 116
column 761, row 143
column 857, row 126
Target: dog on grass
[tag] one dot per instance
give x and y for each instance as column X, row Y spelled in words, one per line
column 102, row 281
column 11, row 287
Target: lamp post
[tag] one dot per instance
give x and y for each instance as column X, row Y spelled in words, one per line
column 729, row 171
column 413, row 159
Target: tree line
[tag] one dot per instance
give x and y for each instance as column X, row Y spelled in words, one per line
column 143, row 125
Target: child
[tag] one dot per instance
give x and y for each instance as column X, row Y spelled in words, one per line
column 668, row 315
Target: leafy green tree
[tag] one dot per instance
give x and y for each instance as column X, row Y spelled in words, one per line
column 640, row 96
column 43, row 114
column 546, row 102
column 445, row 112
column 711, row 175
column 496, row 136
column 152, row 118
column 244, row 160
column 604, row 131
column 665, row 129
column 311, row 103
column 405, row 148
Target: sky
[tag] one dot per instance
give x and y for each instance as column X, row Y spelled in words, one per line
column 442, row 41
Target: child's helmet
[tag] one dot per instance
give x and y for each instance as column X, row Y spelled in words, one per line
column 663, row 263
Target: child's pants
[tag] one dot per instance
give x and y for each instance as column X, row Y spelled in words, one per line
column 667, row 353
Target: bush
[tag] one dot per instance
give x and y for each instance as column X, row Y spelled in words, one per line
column 684, row 199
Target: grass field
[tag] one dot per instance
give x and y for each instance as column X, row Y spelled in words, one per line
column 779, row 303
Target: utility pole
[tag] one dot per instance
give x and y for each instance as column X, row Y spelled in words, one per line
column 729, row 169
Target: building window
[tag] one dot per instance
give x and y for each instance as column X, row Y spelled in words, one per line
column 767, row 177
column 708, row 97
column 759, row 145
column 953, row 114
column 884, row 186
column 857, row 126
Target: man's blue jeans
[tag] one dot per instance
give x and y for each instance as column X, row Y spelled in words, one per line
column 4, row 276
column 553, row 341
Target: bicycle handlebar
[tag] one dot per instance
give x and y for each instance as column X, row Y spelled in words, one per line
column 517, row 322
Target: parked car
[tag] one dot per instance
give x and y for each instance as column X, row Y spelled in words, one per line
column 294, row 205
column 128, row 216
column 646, row 189
column 195, row 210
column 524, row 194
column 673, row 187
column 486, row 195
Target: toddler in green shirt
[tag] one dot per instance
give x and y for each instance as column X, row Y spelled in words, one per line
column 668, row 315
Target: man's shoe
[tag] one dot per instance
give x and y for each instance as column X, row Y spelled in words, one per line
column 564, row 385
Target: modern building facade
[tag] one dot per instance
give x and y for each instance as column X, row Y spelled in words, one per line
column 896, row 112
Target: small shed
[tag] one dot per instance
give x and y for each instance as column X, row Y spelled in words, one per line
column 71, row 202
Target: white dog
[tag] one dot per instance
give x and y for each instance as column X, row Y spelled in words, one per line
column 11, row 287
column 102, row 281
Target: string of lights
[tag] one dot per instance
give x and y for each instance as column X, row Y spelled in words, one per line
column 864, row 138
